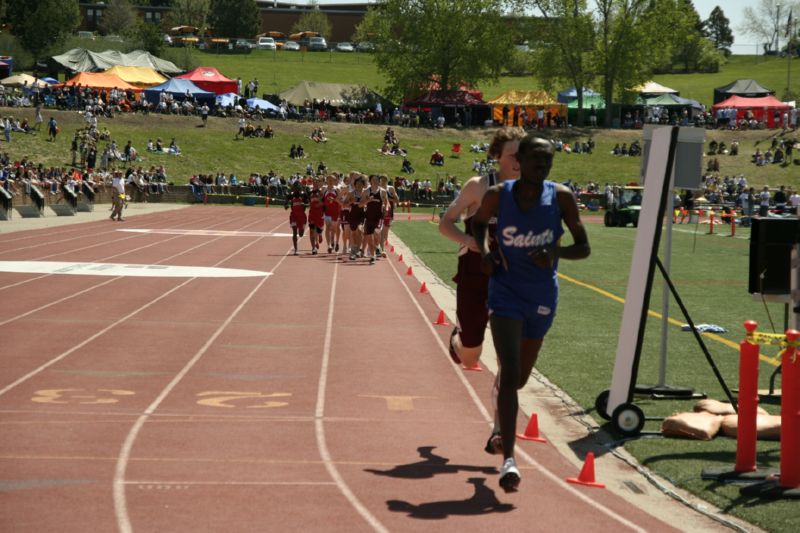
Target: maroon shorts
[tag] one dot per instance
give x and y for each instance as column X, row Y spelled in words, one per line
column 472, row 295
column 316, row 219
column 344, row 217
column 371, row 224
column 298, row 221
column 356, row 218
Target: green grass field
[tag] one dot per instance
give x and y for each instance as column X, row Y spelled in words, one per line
column 710, row 273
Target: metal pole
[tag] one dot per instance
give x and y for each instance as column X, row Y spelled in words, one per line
column 662, row 366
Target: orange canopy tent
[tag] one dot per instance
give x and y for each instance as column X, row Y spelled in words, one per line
column 101, row 80
column 530, row 101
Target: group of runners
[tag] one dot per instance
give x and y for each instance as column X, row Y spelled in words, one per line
column 508, row 256
column 351, row 213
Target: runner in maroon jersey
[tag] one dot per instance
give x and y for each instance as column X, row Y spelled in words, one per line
column 345, row 199
column 472, row 285
column 332, row 212
column 391, row 195
column 297, row 200
column 316, row 215
column 374, row 202
column 356, row 215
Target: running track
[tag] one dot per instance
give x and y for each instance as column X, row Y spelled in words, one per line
column 320, row 398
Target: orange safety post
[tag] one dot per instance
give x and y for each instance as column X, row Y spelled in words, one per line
column 748, row 402
column 790, row 414
column 733, row 224
column 266, row 201
column 711, row 223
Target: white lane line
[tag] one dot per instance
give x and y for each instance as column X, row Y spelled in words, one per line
column 120, row 503
column 320, row 413
column 120, row 321
column 82, row 268
column 540, row 467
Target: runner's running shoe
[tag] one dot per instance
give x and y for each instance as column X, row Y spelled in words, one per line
column 494, row 446
column 330, row 249
column 371, row 260
column 336, row 248
column 295, row 251
column 314, row 251
column 453, row 355
column 509, row 475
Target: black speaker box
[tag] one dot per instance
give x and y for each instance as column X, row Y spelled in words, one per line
column 771, row 241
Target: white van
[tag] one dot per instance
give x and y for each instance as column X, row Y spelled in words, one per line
column 266, row 43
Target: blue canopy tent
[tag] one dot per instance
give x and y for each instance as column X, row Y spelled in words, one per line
column 264, row 105
column 568, row 95
column 224, row 100
column 178, row 88
column 51, row 81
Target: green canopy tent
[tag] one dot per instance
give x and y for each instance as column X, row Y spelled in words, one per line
column 597, row 101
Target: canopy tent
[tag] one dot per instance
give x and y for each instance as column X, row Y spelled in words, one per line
column 434, row 86
column 667, row 100
column 568, row 95
column 211, row 79
column 51, row 81
column 454, row 106
column 509, row 105
column 224, row 100
column 445, row 99
column 100, row 80
column 139, row 76
column 652, row 87
column 178, row 89
column 262, row 104
column 762, row 109
column 23, row 80
column 81, row 60
column 746, row 88
column 588, row 101
column 338, row 94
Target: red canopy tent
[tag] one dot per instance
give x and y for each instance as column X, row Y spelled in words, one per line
column 763, row 108
column 210, row 79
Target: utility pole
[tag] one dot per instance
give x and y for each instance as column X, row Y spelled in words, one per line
column 777, row 28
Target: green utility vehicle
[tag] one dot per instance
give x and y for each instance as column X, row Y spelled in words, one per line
column 625, row 208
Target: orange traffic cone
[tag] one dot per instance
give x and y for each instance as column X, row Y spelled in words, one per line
column 423, row 288
column 532, row 431
column 476, row 367
column 400, row 258
column 391, row 249
column 409, row 272
column 586, row 477
column 441, row 320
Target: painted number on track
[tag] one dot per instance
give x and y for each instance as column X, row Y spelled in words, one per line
column 249, row 400
column 79, row 396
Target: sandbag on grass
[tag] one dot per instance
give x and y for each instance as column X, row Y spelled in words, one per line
column 768, row 427
column 699, row 426
column 715, row 407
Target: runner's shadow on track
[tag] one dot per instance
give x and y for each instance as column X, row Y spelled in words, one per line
column 483, row 501
column 430, row 466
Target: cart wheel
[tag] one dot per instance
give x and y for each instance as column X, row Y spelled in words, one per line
column 608, row 219
column 601, row 404
column 628, row 419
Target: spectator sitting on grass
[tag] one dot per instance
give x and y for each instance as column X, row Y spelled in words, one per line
column 437, row 159
column 173, row 147
column 407, row 168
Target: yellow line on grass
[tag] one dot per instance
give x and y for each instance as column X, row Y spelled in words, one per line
column 650, row 312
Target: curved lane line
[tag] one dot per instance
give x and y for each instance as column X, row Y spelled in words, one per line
column 319, row 415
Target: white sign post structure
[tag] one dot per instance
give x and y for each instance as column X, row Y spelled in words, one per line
column 625, row 415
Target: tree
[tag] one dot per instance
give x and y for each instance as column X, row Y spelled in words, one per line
column 149, row 37
column 565, row 44
column 118, row 18
column 687, row 34
column 439, row 42
column 717, row 28
column 234, row 18
column 42, row 24
column 314, row 20
column 767, row 22
column 188, row 13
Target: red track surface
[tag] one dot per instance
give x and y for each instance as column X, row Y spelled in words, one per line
column 320, row 398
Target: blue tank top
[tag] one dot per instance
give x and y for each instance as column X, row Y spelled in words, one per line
column 518, row 233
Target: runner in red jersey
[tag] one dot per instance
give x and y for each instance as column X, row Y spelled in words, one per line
column 332, row 213
column 345, row 199
column 391, row 195
column 316, row 215
column 297, row 200
column 374, row 202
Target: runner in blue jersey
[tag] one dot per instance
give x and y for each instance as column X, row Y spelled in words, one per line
column 523, row 284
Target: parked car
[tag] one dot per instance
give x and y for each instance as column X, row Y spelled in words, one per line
column 266, row 43
column 245, row 44
column 344, row 47
column 167, row 39
column 291, row 46
column 86, row 35
column 365, row 46
column 317, row 44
